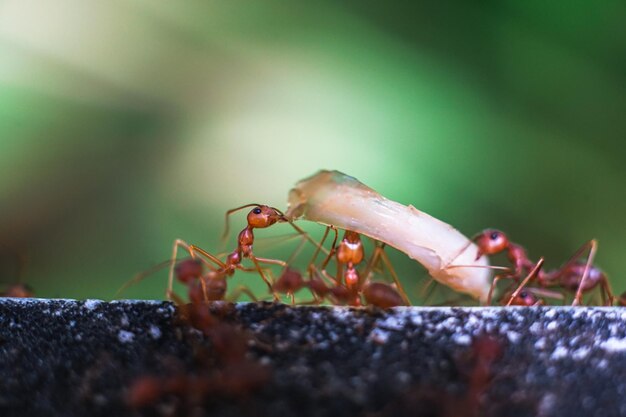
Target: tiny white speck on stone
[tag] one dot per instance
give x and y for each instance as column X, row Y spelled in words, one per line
column 614, row 328
column 535, row 327
column 125, row 336
column 581, row 353
column 72, row 323
column 450, row 323
column 416, row 319
column 540, row 344
column 462, row 339
column 519, row 317
column 514, row 337
column 472, row 321
column 341, row 313
column 91, row 304
column 393, row 322
column 489, row 313
column 559, row 352
column 550, row 314
column 546, row 405
column 552, row 325
column 403, row 377
column 614, row 344
column 379, row 336
column 154, row 331
column 603, row 364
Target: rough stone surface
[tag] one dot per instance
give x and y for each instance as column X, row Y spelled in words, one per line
column 79, row 358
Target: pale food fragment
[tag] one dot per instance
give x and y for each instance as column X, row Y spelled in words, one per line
column 334, row 198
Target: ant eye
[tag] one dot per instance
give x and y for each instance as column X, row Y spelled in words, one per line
column 494, row 235
column 257, row 210
column 523, row 294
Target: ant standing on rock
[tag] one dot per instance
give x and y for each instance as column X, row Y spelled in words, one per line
column 348, row 286
column 575, row 276
column 260, row 217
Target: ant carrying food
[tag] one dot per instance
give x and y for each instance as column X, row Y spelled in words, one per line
column 348, row 286
column 573, row 276
column 335, row 199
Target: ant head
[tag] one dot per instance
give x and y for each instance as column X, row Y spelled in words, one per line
column 525, row 299
column 290, row 281
column 216, row 287
column 264, row 216
column 188, row 270
column 490, row 242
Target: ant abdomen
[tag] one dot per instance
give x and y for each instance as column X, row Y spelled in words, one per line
column 382, row 295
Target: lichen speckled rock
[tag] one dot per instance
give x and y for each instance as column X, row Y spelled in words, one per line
column 79, row 358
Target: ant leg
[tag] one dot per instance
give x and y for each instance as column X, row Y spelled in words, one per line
column 530, row 275
column 269, row 261
column 607, row 293
column 296, row 252
column 140, row 276
column 227, row 216
column 372, row 263
column 191, row 249
column 207, row 255
column 493, row 285
column 331, row 252
column 392, row 271
column 429, row 290
column 321, row 244
column 593, row 246
column 242, row 289
column 267, row 281
column 308, row 237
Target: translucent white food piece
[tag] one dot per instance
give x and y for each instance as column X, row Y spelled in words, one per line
column 334, row 198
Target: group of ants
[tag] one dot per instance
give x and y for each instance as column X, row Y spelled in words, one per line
column 231, row 372
column 205, row 275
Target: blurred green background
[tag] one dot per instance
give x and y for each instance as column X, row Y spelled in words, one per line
column 127, row 124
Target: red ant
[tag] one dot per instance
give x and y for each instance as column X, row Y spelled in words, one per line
column 210, row 286
column 260, row 217
column 347, row 287
column 572, row 276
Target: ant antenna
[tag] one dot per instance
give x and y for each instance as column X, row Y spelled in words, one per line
column 231, row 211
